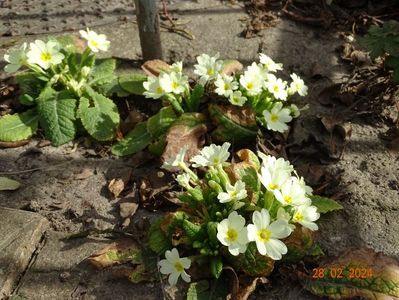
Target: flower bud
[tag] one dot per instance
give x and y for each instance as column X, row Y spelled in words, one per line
column 54, row 79
column 85, row 71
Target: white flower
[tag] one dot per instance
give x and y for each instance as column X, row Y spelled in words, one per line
column 277, row 87
column 173, row 82
column 176, row 162
column 184, row 180
column 306, row 215
column 233, row 233
column 16, row 57
column 211, row 156
column 44, row 54
column 237, row 98
column 233, row 193
column 175, row 266
column 308, row 189
column 153, row 88
column 252, row 80
column 277, row 118
column 269, row 64
column 274, row 175
column 177, row 67
column 272, row 163
column 295, row 112
column 96, row 42
column 291, row 193
column 225, row 85
column 208, row 67
column 267, row 236
column 297, row 86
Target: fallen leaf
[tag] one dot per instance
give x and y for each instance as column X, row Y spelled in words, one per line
column 13, row 144
column 300, row 241
column 8, row 184
column 331, row 123
column 119, row 252
column 187, row 131
column 247, row 285
column 85, row 173
column 43, row 143
column 361, row 273
column 231, row 67
column 154, row 67
column 118, row 184
column 128, row 208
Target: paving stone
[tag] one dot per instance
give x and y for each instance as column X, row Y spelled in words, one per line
column 21, row 233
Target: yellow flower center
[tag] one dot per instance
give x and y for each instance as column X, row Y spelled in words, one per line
column 215, row 161
column 274, row 118
column 275, row 88
column 226, row 87
column 298, row 217
column 288, row 199
column 232, row 234
column 175, row 85
column 233, row 194
column 210, row 72
column 179, row 267
column 250, row 86
column 94, row 43
column 264, row 235
column 273, row 186
column 159, row 90
column 45, row 56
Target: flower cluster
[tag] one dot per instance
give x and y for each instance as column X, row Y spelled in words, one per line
column 257, row 87
column 262, row 206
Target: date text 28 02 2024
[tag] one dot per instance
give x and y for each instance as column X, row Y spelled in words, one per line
column 342, row 273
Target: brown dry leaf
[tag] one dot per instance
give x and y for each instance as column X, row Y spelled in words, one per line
column 14, row 144
column 332, row 123
column 231, row 67
column 299, row 243
column 128, row 208
column 153, row 187
column 361, row 273
column 118, row 184
column 119, row 252
column 181, row 135
column 85, row 173
column 43, row 143
column 154, row 67
column 247, row 286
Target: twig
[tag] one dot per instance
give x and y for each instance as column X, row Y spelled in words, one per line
column 86, row 233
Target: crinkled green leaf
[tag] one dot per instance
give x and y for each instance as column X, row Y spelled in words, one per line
column 8, row 184
column 133, row 83
column 112, row 88
column 216, row 266
column 356, row 273
column 30, row 87
column 324, row 204
column 99, row 115
column 57, row 112
column 192, row 230
column 102, row 72
column 212, row 230
column 135, row 141
column 233, row 124
column 18, row 127
column 159, row 123
column 198, row 291
column 251, row 262
column 195, row 98
column 158, row 242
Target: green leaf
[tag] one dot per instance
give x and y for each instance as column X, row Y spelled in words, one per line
column 233, row 124
column 103, row 72
column 99, row 115
column 212, row 229
column 133, row 83
column 159, row 123
column 324, row 204
column 195, row 98
column 158, row 147
column 18, row 127
column 57, row 115
column 8, row 184
column 135, row 141
column 216, row 266
column 30, row 87
column 158, row 242
column 192, row 230
column 198, row 291
column 112, row 88
column 355, row 273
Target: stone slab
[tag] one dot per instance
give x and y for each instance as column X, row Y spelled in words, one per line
column 21, row 233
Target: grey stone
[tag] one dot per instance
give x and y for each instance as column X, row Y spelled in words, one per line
column 21, row 233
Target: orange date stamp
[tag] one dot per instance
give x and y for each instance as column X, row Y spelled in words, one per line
column 342, row 273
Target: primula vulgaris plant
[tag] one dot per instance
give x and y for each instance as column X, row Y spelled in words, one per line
column 238, row 214
column 236, row 100
column 64, row 88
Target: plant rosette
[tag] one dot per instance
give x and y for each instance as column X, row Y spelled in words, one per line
column 246, row 215
column 237, row 101
column 65, row 89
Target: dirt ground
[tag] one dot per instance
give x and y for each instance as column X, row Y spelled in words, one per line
column 68, row 184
